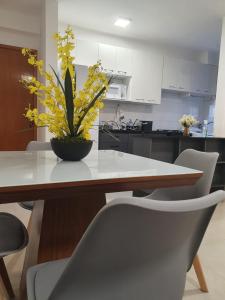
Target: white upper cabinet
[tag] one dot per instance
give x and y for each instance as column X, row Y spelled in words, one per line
column 123, row 61
column 107, row 55
column 176, row 74
column 200, row 79
column 115, row 60
column 213, row 79
column 146, row 78
column 189, row 76
column 86, row 53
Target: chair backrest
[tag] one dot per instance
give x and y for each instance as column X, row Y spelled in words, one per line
column 202, row 161
column 137, row 248
column 38, row 146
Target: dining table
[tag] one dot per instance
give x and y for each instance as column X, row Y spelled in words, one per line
column 69, row 194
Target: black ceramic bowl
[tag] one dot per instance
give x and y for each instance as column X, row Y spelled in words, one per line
column 71, row 150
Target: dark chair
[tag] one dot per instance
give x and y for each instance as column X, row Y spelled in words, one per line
column 13, row 238
column 135, row 248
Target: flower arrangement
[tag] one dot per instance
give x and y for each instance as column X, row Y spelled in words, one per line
column 69, row 114
column 187, row 121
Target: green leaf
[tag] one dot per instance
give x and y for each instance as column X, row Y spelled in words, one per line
column 69, row 101
column 58, row 80
column 91, row 104
column 75, row 78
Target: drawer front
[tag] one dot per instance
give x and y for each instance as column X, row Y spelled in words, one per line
column 106, row 138
column 117, row 146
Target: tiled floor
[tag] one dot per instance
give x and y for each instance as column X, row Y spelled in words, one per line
column 212, row 255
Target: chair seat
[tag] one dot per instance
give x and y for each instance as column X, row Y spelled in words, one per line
column 43, row 277
column 27, row 205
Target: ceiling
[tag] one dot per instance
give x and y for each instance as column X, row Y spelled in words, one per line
column 193, row 24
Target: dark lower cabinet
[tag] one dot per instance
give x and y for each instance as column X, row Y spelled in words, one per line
column 167, row 148
column 118, row 142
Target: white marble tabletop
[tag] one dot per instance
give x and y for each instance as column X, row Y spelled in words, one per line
column 22, row 168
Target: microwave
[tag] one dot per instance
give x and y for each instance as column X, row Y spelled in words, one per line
column 116, row 91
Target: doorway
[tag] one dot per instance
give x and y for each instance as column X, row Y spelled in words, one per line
column 15, row 130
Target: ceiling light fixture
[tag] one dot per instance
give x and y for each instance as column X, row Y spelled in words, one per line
column 122, row 22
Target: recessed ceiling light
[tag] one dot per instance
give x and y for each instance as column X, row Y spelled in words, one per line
column 122, row 22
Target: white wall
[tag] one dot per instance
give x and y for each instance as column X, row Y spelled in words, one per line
column 219, row 128
column 19, row 29
column 48, row 49
column 164, row 116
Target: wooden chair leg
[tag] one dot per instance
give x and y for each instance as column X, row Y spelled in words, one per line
column 5, row 278
column 200, row 275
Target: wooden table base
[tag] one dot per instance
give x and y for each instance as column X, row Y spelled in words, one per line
column 56, row 227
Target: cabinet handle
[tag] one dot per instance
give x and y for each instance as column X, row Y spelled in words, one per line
column 198, row 90
column 172, row 86
column 108, row 71
column 181, row 88
column 140, row 99
column 206, row 91
column 122, row 72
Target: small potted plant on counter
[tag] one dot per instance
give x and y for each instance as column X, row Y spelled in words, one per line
column 68, row 113
column 186, row 122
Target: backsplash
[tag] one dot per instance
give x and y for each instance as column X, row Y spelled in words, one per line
column 165, row 115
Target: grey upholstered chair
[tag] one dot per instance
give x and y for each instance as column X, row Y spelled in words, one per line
column 202, row 161
column 35, row 146
column 135, row 248
column 13, row 237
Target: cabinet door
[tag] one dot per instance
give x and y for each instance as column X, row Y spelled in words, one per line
column 200, row 79
column 107, row 55
column 206, row 70
column 213, row 80
column 170, row 69
column 86, row 53
column 123, row 61
column 146, row 78
column 176, row 74
column 183, row 75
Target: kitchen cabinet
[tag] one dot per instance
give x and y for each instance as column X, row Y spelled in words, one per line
column 176, row 74
column 116, row 60
column 107, row 55
column 200, row 79
column 123, row 61
column 213, row 80
column 86, row 53
column 107, row 142
column 188, row 76
column 168, row 148
column 146, row 81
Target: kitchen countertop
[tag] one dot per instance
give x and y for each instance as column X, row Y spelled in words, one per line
column 155, row 134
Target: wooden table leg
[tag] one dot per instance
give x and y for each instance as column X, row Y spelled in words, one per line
column 5, row 279
column 200, row 274
column 57, row 227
